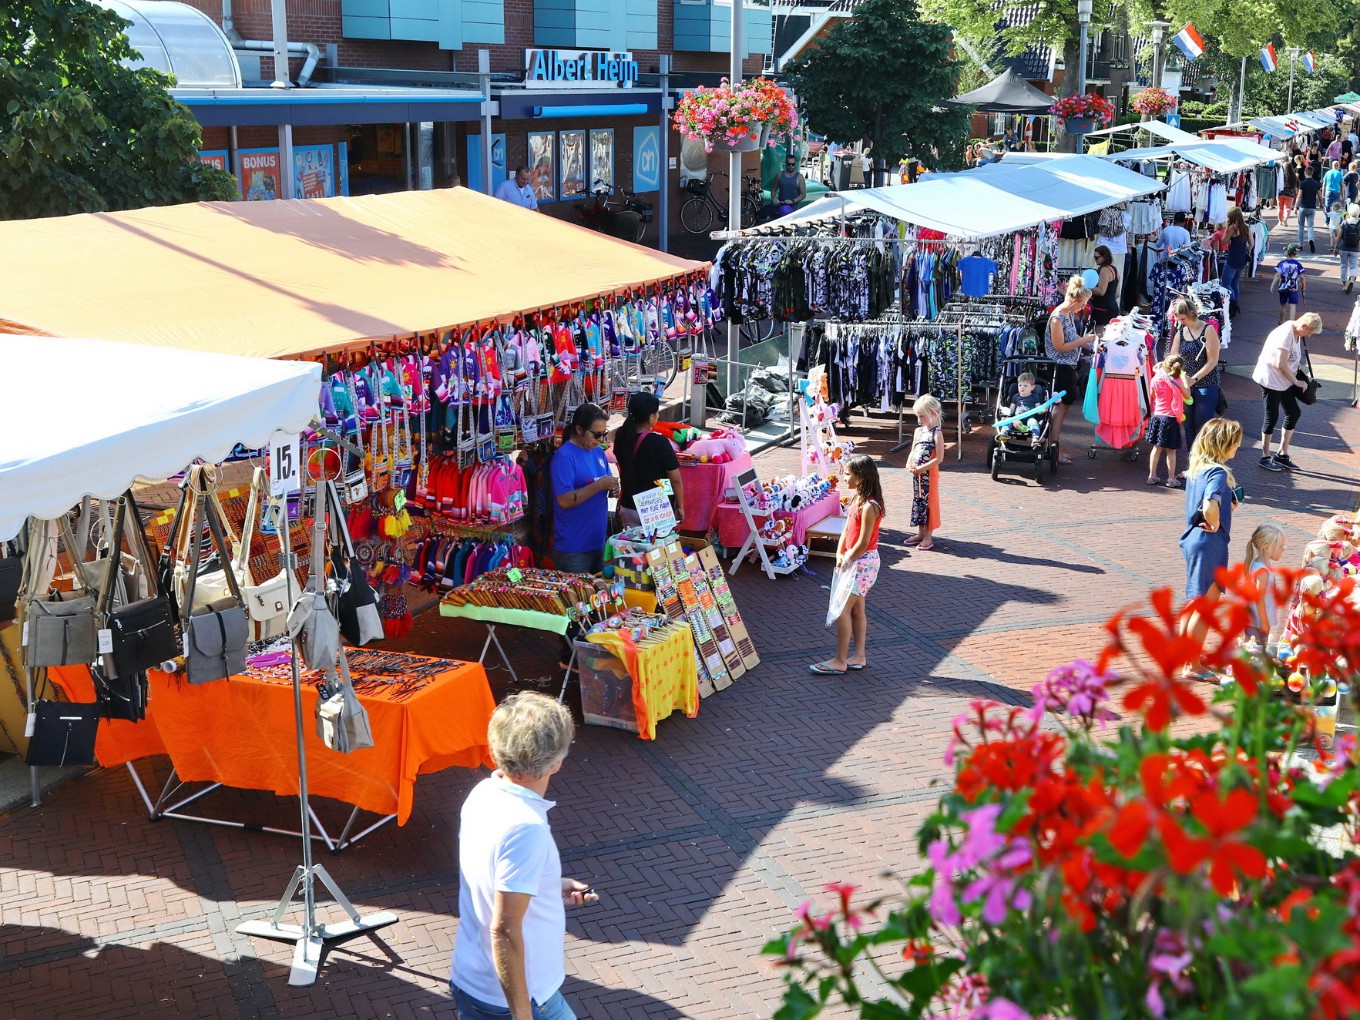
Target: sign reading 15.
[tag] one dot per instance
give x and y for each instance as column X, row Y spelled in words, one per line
column 284, row 464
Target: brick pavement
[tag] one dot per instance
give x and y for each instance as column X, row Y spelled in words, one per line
column 702, row 842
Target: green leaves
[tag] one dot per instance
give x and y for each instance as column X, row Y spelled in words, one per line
column 83, row 133
column 880, row 76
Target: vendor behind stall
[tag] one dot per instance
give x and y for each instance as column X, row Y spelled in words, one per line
column 581, row 485
column 645, row 457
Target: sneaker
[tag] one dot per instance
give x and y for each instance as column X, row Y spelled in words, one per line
column 1349, row 284
column 1269, row 464
column 1284, row 461
column 1311, row 246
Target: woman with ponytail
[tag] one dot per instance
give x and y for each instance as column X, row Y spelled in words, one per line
column 644, row 457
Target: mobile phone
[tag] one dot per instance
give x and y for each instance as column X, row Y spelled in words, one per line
column 1239, row 493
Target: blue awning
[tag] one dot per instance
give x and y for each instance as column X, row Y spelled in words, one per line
column 327, row 105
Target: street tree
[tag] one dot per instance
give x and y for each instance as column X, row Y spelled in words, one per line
column 81, row 132
column 881, row 76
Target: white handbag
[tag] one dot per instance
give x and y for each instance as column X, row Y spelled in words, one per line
column 268, row 602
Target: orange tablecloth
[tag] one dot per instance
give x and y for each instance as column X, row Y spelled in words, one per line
column 240, row 733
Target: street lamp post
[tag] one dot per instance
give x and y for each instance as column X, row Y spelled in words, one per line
column 1158, row 34
column 1084, row 24
column 1293, row 55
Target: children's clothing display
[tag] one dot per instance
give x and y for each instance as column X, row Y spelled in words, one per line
column 1120, row 373
column 795, row 279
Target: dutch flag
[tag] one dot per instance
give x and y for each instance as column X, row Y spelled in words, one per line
column 1268, row 60
column 1189, row 42
column 1309, row 62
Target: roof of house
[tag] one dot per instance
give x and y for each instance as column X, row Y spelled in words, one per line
column 1036, row 62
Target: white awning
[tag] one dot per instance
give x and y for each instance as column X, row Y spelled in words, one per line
column 1214, row 156
column 1001, row 200
column 1276, row 127
column 148, row 412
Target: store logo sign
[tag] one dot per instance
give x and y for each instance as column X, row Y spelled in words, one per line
column 578, row 68
column 647, row 159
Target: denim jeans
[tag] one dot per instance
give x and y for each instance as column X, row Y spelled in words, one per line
column 1350, row 265
column 555, row 1008
column 1306, row 217
column 1196, row 414
column 1232, row 278
column 578, row 562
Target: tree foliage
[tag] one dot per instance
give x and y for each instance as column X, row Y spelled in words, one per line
column 83, row 133
column 881, row 76
column 1268, row 93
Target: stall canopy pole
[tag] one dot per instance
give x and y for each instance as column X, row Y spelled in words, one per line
column 484, row 71
column 311, row 940
column 734, row 184
column 663, row 173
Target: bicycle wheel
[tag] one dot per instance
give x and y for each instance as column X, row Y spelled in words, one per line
column 750, row 211
column 757, row 331
column 696, row 216
column 641, row 231
column 659, row 362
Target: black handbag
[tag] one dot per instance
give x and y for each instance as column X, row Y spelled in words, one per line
column 1310, row 390
column 63, row 733
column 11, row 574
column 142, row 633
column 120, row 697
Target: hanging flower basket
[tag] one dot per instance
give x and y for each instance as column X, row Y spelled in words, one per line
column 1153, row 102
column 741, row 119
column 1083, row 108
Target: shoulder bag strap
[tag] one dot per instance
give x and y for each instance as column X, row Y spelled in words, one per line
column 248, row 528
column 140, row 546
column 74, row 551
column 216, row 529
column 114, row 577
column 1307, row 360
column 195, row 551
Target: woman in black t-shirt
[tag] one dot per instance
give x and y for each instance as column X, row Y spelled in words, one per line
column 645, row 457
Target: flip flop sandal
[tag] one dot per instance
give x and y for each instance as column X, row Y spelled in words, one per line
column 852, row 665
column 912, row 541
column 822, row 669
column 926, row 548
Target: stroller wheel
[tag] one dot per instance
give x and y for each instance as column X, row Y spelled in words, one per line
column 996, row 463
column 1091, row 453
column 1039, row 469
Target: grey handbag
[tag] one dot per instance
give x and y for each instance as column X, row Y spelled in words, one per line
column 60, row 631
column 215, row 635
column 315, row 629
column 341, row 719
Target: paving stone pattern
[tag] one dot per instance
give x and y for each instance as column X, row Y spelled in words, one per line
column 701, row 843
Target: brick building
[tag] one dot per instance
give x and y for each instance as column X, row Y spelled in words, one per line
column 392, row 96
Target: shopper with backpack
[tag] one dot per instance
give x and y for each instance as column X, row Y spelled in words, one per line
column 1348, row 247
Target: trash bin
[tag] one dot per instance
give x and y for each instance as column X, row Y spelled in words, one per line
column 840, row 170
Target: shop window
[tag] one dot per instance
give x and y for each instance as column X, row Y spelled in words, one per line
column 596, row 24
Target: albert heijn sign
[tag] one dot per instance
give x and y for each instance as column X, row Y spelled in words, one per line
column 579, row 69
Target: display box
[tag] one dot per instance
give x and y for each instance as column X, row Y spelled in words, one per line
column 606, row 688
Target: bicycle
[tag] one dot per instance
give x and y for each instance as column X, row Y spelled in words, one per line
column 702, row 207
column 626, row 218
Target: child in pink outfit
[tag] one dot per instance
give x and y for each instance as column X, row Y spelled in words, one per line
column 1170, row 392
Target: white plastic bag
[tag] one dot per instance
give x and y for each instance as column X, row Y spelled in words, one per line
column 842, row 587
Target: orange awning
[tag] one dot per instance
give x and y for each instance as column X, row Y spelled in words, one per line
column 286, row 278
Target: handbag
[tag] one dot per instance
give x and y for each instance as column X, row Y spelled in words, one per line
column 63, row 733
column 141, row 632
column 315, row 630
column 341, row 720
column 357, row 604
column 1310, row 390
column 120, row 697
column 60, row 631
column 267, row 603
column 1221, row 408
column 215, row 635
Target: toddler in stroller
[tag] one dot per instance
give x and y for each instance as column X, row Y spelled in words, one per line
column 1025, row 441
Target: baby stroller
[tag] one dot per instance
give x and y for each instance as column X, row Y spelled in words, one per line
column 1024, row 442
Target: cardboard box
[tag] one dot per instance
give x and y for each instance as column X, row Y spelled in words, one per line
column 606, row 688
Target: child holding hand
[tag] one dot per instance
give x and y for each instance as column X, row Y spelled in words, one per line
column 1170, row 391
column 927, row 453
column 857, row 551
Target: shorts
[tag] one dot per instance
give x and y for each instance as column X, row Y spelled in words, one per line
column 1065, row 379
column 1289, row 297
column 866, row 572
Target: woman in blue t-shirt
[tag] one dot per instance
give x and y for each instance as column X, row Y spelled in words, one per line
column 581, row 486
column 1211, row 497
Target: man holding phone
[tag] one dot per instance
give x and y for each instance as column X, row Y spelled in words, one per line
column 510, row 950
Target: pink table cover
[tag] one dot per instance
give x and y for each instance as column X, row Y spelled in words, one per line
column 732, row 530
column 705, row 486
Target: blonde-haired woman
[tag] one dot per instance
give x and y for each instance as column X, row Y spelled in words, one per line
column 1063, row 345
column 1210, row 498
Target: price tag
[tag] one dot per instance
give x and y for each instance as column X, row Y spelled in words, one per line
column 665, row 484
column 515, row 575
column 285, row 464
column 31, row 725
column 23, row 639
column 655, row 513
column 105, row 641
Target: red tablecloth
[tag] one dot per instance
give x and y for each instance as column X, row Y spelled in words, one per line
column 732, row 530
column 239, row 732
column 705, row 486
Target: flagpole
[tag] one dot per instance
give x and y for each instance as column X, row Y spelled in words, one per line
column 1293, row 53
